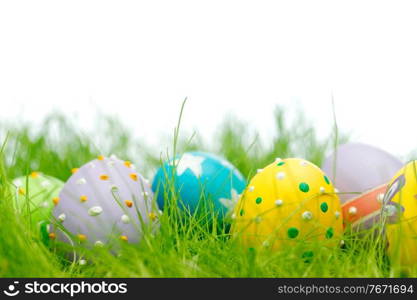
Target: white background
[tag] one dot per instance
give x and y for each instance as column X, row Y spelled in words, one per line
column 140, row 59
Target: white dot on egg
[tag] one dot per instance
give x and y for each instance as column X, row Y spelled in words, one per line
column 61, row 217
column 251, row 188
column 280, row 175
column 18, row 182
column 279, row 202
column 98, row 244
column 95, row 211
column 353, row 210
column 380, row 197
column 307, row 215
column 125, row 219
column 322, row 190
column 45, row 183
column 82, row 262
column 337, row 214
column 81, row 181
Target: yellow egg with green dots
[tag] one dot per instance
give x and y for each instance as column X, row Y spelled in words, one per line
column 288, row 202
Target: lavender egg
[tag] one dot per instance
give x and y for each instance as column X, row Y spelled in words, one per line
column 103, row 202
column 356, row 168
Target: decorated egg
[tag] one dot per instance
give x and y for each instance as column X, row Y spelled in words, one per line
column 104, row 202
column 35, row 196
column 287, row 202
column 400, row 207
column 361, row 173
column 200, row 180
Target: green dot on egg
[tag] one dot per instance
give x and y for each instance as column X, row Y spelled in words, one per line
column 292, row 232
column 281, row 163
column 258, row 200
column 304, row 187
column 324, row 207
column 326, row 179
column 242, row 212
column 329, row 233
column 307, row 256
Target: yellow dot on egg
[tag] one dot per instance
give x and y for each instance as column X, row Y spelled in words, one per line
column 34, row 174
column 21, row 191
column 55, row 200
column 83, row 198
column 134, row 176
column 104, row 177
column 124, row 238
column 82, row 237
column 128, row 164
column 52, row 236
column 128, row 203
column 74, row 170
column 152, row 216
column 100, row 157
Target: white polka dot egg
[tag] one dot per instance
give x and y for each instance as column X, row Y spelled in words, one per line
column 287, row 202
column 104, row 201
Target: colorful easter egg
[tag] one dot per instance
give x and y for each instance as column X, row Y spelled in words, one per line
column 356, row 168
column 289, row 201
column 104, row 202
column 201, row 180
column 361, row 173
column 401, row 210
column 35, row 196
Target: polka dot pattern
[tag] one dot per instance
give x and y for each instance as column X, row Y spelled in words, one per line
column 289, row 201
column 304, row 187
column 293, row 232
column 102, row 201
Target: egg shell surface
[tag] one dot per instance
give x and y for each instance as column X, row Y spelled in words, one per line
column 196, row 176
column 355, row 168
column 289, row 201
column 401, row 196
column 36, row 193
column 103, row 201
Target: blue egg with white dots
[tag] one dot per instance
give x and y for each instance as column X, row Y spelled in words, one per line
column 201, row 181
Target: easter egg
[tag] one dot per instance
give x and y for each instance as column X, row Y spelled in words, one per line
column 361, row 173
column 401, row 209
column 289, row 201
column 104, row 202
column 201, row 180
column 35, row 196
column 356, row 168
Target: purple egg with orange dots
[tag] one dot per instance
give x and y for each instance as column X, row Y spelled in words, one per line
column 104, row 202
column 361, row 173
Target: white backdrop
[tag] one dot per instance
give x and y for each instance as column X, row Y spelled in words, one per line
column 139, row 59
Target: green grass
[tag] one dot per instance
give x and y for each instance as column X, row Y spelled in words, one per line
column 183, row 247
